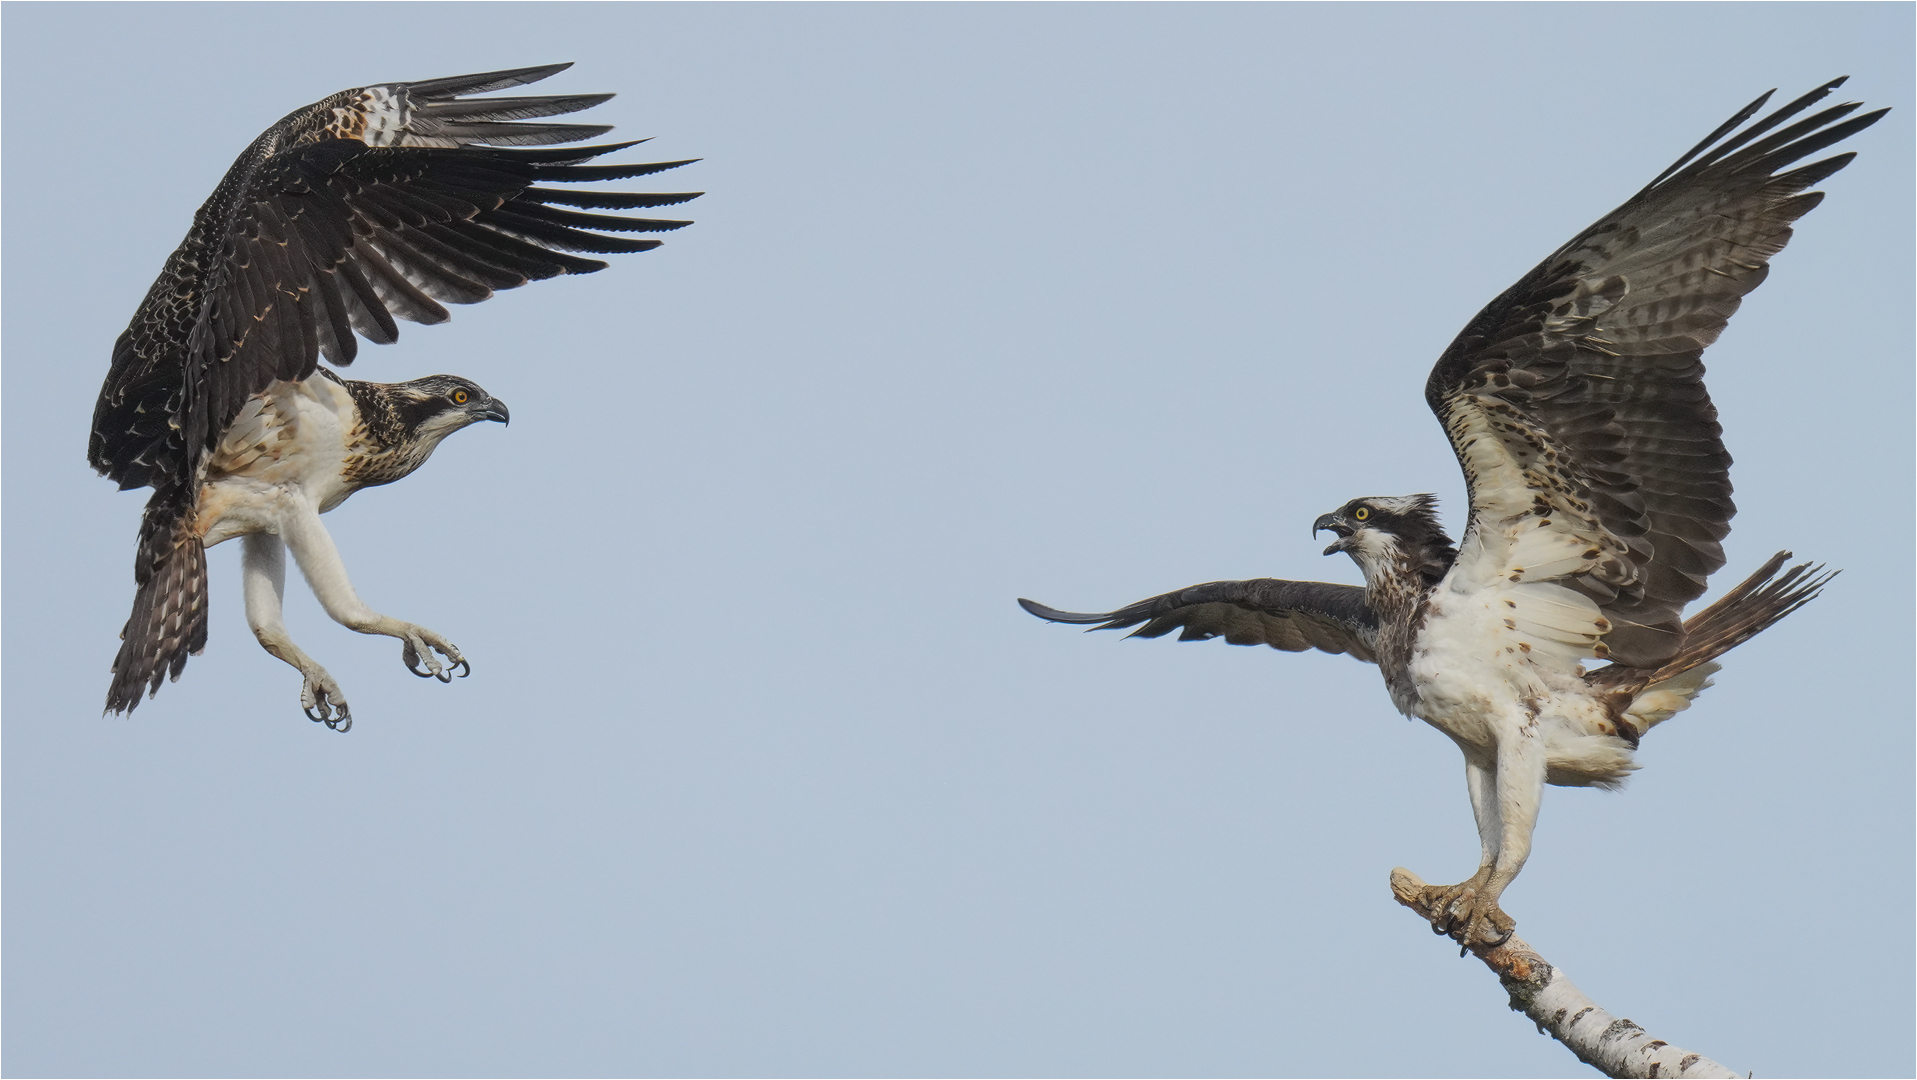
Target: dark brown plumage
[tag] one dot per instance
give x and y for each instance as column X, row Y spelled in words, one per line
column 373, row 205
column 1289, row 615
column 1590, row 368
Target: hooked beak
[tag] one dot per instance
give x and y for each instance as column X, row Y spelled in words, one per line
column 1330, row 523
column 496, row 410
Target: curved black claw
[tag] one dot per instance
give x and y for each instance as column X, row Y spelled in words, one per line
column 342, row 722
column 1464, row 947
column 419, row 661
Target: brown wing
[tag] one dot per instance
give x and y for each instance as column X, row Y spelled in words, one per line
column 1289, row 615
column 374, row 205
column 1576, row 400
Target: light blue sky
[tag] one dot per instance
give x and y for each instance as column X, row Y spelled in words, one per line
column 760, row 770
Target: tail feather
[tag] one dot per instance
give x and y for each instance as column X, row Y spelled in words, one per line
column 1664, row 699
column 1745, row 612
column 1741, row 614
column 168, row 623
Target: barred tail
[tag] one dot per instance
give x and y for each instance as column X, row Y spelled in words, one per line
column 168, row 621
column 1745, row 612
column 1740, row 615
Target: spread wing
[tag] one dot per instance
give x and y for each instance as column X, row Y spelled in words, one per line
column 376, row 204
column 1576, row 400
column 1289, row 615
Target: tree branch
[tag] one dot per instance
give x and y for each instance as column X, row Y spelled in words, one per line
column 1613, row 1046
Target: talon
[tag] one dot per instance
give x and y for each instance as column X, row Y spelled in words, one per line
column 418, row 660
column 322, row 702
column 417, row 649
column 1486, row 929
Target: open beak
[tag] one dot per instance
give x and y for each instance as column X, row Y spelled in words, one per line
column 1330, row 523
column 496, row 410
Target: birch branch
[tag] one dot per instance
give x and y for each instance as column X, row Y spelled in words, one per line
column 1613, row 1046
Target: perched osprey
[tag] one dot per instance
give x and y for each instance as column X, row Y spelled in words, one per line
column 378, row 203
column 1599, row 490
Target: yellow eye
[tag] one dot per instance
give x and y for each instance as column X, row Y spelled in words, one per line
column 1363, row 513
column 459, row 397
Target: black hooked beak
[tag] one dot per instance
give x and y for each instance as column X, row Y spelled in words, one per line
column 496, row 410
column 1331, row 523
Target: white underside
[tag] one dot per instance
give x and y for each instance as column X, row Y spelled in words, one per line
column 1498, row 666
column 282, row 461
column 279, row 467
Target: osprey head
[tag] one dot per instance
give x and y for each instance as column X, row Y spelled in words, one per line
column 401, row 424
column 1380, row 531
column 438, row 405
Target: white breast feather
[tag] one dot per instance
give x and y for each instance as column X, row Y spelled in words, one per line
column 290, row 441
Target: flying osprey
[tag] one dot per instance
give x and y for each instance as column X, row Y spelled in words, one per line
column 377, row 203
column 1599, row 493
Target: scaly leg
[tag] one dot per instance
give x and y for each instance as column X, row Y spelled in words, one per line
column 1480, row 780
column 319, row 560
column 1472, row 911
column 263, row 582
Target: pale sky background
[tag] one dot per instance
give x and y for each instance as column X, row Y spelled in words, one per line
column 760, row 771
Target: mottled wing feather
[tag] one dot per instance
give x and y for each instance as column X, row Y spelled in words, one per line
column 1288, row 615
column 375, row 205
column 372, row 206
column 1576, row 402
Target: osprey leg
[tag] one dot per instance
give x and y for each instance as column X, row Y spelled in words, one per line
column 319, row 560
column 1480, row 779
column 1504, row 799
column 1520, row 786
column 263, row 581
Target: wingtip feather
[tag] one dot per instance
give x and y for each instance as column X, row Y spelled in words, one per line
column 485, row 81
column 1054, row 615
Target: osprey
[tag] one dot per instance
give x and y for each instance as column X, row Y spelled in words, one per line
column 375, row 204
column 1599, row 494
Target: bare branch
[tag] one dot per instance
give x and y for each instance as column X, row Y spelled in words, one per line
column 1613, row 1046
